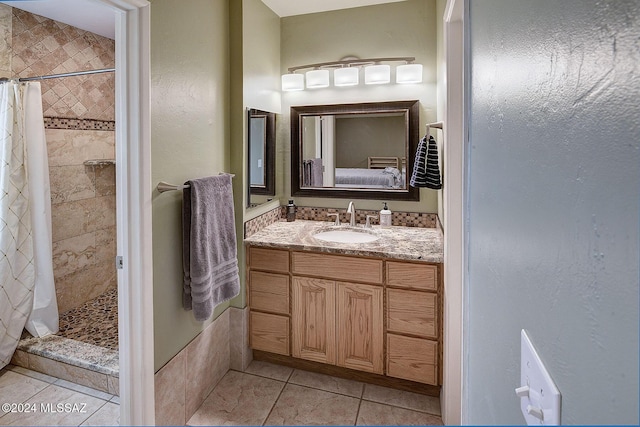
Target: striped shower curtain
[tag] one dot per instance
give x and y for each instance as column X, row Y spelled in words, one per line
column 27, row 290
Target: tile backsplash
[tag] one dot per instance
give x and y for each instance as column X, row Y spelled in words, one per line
column 256, row 224
column 405, row 219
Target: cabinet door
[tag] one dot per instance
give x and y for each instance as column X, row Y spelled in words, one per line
column 269, row 332
column 412, row 312
column 360, row 327
column 413, row 359
column 313, row 320
column 269, row 292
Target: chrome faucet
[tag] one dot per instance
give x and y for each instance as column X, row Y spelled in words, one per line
column 352, row 210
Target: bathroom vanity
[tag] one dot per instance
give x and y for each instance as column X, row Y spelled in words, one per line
column 372, row 308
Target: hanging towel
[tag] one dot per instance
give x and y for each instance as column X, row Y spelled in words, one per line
column 426, row 172
column 209, row 259
column 316, row 172
column 306, row 173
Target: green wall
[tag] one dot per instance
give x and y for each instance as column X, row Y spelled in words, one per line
column 406, row 28
column 189, row 139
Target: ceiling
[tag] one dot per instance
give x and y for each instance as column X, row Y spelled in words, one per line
column 90, row 16
column 98, row 18
column 284, row 8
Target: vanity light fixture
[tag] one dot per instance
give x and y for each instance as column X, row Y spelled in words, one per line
column 292, row 82
column 409, row 73
column 317, row 79
column 377, row 74
column 346, row 76
column 347, row 70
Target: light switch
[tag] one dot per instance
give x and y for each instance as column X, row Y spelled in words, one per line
column 539, row 397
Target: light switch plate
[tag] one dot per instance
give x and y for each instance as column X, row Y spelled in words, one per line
column 543, row 394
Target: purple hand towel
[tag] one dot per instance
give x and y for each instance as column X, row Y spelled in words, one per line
column 209, row 258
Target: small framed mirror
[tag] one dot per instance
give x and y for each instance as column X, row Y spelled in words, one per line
column 261, row 153
column 361, row 151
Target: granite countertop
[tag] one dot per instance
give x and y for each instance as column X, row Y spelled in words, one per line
column 406, row 243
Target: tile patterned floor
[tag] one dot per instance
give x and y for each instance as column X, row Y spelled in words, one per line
column 41, row 395
column 95, row 322
column 267, row 394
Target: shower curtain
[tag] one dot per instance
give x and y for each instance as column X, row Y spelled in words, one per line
column 27, row 290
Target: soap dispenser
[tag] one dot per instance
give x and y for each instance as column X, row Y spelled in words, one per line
column 291, row 211
column 385, row 216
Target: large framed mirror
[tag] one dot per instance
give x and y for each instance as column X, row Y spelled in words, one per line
column 363, row 151
column 261, row 129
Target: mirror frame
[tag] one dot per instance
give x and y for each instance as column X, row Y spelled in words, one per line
column 412, row 117
column 269, row 155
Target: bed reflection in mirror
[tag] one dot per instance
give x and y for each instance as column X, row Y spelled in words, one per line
column 356, row 149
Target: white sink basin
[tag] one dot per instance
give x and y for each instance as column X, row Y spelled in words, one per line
column 346, row 236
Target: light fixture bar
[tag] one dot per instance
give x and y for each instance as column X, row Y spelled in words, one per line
column 354, row 61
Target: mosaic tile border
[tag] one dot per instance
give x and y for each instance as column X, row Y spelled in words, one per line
column 78, row 124
column 405, row 219
column 258, row 223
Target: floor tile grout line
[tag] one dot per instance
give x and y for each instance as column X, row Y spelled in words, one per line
column 290, row 375
column 29, row 374
column 355, row 422
column 61, row 382
column 91, row 414
column 259, row 376
column 275, row 402
column 326, row 391
column 288, row 381
column 401, row 407
column 30, row 397
column 361, row 398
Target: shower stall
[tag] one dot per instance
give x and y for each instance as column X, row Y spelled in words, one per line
column 79, row 127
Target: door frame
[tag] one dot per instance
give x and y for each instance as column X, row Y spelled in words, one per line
column 454, row 411
column 133, row 211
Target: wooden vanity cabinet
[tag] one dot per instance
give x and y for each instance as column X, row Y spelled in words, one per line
column 413, row 322
column 334, row 322
column 368, row 314
column 269, row 302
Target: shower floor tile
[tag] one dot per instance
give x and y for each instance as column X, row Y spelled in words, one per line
column 95, row 322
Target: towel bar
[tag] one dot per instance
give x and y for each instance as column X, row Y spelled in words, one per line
column 437, row 125
column 163, row 186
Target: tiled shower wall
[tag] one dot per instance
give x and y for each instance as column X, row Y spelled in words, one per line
column 42, row 46
column 76, row 110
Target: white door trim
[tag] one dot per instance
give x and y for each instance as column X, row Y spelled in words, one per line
column 133, row 212
column 453, row 403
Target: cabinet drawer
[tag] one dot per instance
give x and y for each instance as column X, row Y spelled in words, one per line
column 269, row 332
column 412, row 359
column 268, row 259
column 269, row 292
column 412, row 312
column 337, row 267
column 413, row 276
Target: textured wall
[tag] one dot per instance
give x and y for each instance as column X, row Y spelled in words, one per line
column 190, row 134
column 553, row 205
